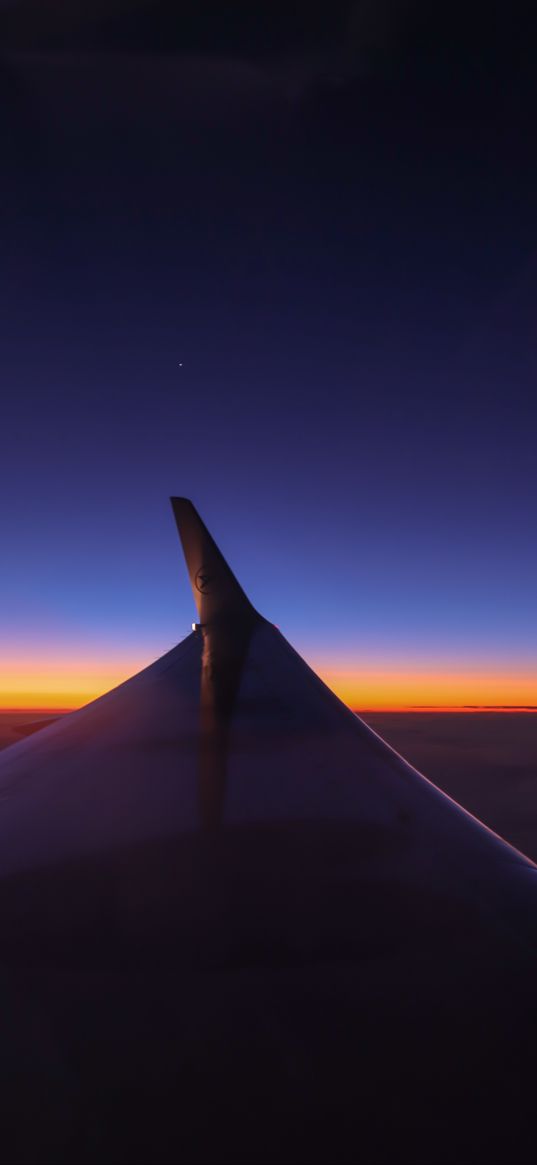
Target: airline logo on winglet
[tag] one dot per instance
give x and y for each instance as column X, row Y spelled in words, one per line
column 203, row 579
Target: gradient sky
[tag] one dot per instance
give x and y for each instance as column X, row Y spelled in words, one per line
column 281, row 261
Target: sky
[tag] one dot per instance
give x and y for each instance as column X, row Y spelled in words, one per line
column 280, row 259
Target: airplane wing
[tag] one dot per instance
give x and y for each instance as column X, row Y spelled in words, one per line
column 304, row 950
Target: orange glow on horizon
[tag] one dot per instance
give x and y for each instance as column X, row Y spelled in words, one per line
column 69, row 683
column 64, row 685
column 392, row 690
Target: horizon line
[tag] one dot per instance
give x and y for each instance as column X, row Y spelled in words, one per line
column 389, row 708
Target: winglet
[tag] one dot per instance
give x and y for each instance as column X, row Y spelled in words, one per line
column 217, row 593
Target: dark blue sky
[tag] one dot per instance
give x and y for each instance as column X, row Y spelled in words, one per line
column 329, row 222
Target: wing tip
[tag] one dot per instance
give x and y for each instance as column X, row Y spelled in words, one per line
column 182, row 508
column 219, row 592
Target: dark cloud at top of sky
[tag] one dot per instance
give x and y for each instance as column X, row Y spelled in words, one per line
column 456, row 47
column 400, row 130
column 396, row 77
